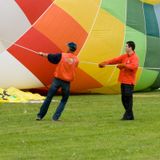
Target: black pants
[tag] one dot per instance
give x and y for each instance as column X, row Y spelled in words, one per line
column 127, row 100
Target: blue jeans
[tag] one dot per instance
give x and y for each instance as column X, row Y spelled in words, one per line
column 57, row 83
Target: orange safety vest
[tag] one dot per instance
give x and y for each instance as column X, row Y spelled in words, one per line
column 66, row 68
column 127, row 74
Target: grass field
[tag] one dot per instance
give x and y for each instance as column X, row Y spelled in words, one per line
column 90, row 130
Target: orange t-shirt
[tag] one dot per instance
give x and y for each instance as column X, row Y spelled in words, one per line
column 127, row 74
column 66, row 68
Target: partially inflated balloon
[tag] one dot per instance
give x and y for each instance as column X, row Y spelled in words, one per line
column 99, row 27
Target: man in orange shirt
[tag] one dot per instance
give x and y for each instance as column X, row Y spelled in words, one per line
column 128, row 65
column 64, row 74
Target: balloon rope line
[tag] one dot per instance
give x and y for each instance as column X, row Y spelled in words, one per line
column 86, row 62
column 26, row 48
column 18, row 45
column 94, row 63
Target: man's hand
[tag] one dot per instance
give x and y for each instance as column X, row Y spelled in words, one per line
column 101, row 65
column 42, row 54
column 121, row 66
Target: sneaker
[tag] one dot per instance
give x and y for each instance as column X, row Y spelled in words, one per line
column 38, row 118
column 126, row 118
column 56, row 120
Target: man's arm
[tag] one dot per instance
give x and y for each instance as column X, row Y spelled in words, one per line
column 42, row 54
column 53, row 58
column 116, row 60
column 133, row 65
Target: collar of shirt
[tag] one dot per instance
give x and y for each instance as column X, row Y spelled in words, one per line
column 129, row 55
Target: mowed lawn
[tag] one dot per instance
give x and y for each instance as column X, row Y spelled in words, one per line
column 90, row 129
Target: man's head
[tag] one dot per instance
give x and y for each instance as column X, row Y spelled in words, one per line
column 72, row 46
column 130, row 46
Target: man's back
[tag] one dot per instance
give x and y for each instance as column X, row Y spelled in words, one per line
column 66, row 68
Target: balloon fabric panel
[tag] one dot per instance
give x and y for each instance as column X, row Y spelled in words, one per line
column 99, row 27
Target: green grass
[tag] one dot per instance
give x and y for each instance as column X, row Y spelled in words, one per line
column 90, row 130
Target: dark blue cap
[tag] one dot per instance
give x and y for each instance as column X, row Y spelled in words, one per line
column 72, row 46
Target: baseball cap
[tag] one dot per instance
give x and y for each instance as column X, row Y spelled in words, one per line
column 72, row 46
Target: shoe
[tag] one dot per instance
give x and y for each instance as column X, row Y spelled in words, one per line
column 38, row 118
column 127, row 118
column 56, row 120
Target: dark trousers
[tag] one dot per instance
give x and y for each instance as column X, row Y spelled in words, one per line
column 127, row 100
column 57, row 83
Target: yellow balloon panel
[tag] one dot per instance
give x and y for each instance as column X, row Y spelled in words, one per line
column 101, row 75
column 112, row 80
column 104, row 42
column 103, row 39
column 85, row 13
column 107, row 89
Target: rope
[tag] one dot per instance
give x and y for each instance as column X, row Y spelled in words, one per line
column 85, row 62
column 18, row 45
column 94, row 63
